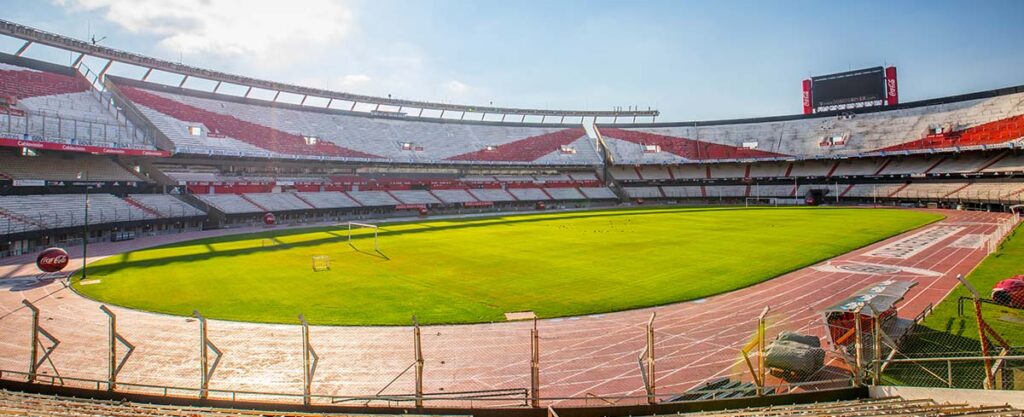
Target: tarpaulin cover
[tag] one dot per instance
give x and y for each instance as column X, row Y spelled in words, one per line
column 876, row 299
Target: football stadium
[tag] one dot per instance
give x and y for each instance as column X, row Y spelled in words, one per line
column 185, row 240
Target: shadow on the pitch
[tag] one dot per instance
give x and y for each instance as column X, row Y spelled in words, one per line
column 376, row 253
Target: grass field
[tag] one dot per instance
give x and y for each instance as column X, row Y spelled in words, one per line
column 946, row 334
column 475, row 270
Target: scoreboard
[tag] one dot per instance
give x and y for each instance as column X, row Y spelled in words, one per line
column 861, row 88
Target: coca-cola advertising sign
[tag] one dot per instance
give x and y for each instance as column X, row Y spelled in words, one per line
column 52, row 260
column 269, row 219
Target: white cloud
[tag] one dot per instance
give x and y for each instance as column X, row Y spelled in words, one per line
column 456, row 87
column 263, row 29
column 354, row 80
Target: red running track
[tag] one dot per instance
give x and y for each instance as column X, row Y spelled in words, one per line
column 580, row 356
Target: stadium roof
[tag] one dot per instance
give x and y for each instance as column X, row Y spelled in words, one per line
column 32, row 36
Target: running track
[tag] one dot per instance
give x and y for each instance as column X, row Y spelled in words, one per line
column 580, row 356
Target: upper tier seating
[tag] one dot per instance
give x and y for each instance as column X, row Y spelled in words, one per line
column 373, row 198
column 971, row 123
column 230, row 203
column 415, row 197
column 165, row 205
column 277, row 201
column 929, row 190
column 454, row 196
column 327, row 200
column 564, row 194
column 233, row 126
column 59, row 107
column 811, row 168
column 55, row 211
column 64, row 167
column 491, row 194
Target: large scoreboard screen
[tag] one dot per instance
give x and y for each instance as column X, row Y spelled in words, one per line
column 859, row 88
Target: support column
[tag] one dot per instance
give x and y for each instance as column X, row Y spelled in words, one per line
column 308, row 366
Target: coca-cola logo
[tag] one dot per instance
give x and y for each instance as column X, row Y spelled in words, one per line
column 890, row 85
column 269, row 218
column 807, row 98
column 52, row 260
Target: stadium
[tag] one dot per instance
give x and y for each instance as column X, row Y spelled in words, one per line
column 265, row 248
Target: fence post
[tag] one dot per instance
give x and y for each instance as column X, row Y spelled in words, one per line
column 308, row 367
column 859, row 347
column 418, row 354
column 651, row 380
column 877, row 369
column 34, row 359
column 33, row 340
column 534, row 366
column 206, row 369
column 761, row 369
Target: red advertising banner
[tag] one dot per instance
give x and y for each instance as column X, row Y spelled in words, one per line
column 892, row 93
column 807, row 97
column 410, row 206
column 478, row 204
column 96, row 150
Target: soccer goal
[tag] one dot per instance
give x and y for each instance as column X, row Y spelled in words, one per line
column 760, row 201
column 354, row 225
column 321, row 263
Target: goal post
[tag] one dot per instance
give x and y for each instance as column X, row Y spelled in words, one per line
column 354, row 225
column 321, row 263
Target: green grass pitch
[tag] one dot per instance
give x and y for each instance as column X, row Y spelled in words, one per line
column 475, row 270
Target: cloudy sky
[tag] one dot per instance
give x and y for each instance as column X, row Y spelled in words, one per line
column 691, row 60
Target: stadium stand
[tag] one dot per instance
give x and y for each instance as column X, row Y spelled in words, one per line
column 415, row 197
column 690, row 171
column 726, row 191
column 643, row 192
column 164, row 205
column 528, row 194
column 982, row 120
column 230, row 203
column 229, row 125
column 892, row 406
column 43, row 100
column 67, row 210
column 564, row 194
column 492, row 195
column 858, row 167
column 454, row 196
column 63, row 167
column 327, row 200
column 624, row 173
column 681, row 192
column 373, row 198
column 598, row 193
column 728, row 171
column 277, row 201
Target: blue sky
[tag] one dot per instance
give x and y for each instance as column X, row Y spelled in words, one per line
column 691, row 60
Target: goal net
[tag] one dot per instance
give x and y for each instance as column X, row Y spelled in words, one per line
column 353, row 226
column 321, row 263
